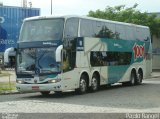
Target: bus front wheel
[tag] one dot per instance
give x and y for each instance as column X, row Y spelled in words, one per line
column 82, row 85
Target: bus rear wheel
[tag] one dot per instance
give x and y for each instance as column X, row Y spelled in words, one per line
column 139, row 78
column 94, row 83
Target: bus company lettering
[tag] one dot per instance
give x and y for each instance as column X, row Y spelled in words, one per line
column 139, row 51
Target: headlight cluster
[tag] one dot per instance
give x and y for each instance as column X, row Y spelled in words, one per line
column 49, row 81
column 54, row 80
column 20, row 81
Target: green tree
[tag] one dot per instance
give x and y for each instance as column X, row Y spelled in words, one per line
column 129, row 15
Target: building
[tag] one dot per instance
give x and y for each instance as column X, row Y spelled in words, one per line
column 11, row 19
column 156, row 51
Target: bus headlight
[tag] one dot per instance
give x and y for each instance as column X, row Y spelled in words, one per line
column 20, row 81
column 54, row 80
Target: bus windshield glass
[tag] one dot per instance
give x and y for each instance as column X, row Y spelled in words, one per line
column 42, row 30
column 31, row 59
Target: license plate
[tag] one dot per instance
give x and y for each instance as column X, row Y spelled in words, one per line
column 35, row 87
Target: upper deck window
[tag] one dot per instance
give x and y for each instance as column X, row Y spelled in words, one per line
column 42, row 30
column 71, row 28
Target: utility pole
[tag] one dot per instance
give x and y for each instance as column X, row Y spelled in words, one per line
column 30, row 4
column 51, row 7
column 24, row 3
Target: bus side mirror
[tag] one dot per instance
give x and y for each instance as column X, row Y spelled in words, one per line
column 9, row 52
column 58, row 53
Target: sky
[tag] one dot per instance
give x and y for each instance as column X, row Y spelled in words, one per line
column 82, row 7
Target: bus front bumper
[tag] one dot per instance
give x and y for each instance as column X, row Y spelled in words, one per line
column 38, row 87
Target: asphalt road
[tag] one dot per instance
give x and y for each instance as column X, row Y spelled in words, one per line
column 115, row 99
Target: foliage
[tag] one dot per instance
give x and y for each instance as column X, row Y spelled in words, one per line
column 129, row 15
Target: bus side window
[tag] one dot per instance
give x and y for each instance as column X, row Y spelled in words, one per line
column 147, row 35
column 109, row 31
column 121, row 30
column 139, row 34
column 86, row 28
column 99, row 28
column 71, row 28
column 129, row 33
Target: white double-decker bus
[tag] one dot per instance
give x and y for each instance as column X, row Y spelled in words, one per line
column 80, row 53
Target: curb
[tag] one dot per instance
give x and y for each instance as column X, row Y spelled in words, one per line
column 9, row 92
column 155, row 76
column 13, row 92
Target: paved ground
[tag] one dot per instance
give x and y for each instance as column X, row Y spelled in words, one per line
column 122, row 101
column 119, row 99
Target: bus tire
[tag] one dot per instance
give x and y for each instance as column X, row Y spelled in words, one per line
column 45, row 93
column 132, row 79
column 82, row 85
column 139, row 78
column 94, row 83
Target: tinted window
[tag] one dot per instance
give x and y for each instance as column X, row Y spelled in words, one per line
column 129, row 33
column 86, row 28
column 120, row 29
column 99, row 28
column 111, row 31
column 146, row 34
column 139, row 35
column 71, row 28
column 104, row 58
column 42, row 30
column 106, row 30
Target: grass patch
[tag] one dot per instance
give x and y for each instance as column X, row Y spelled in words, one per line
column 5, row 86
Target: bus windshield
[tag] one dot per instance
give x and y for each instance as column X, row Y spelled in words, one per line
column 31, row 59
column 42, row 30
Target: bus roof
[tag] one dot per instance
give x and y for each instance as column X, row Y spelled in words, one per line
column 84, row 17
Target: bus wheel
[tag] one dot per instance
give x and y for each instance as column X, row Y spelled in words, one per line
column 139, row 78
column 94, row 83
column 132, row 79
column 82, row 85
column 45, row 93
